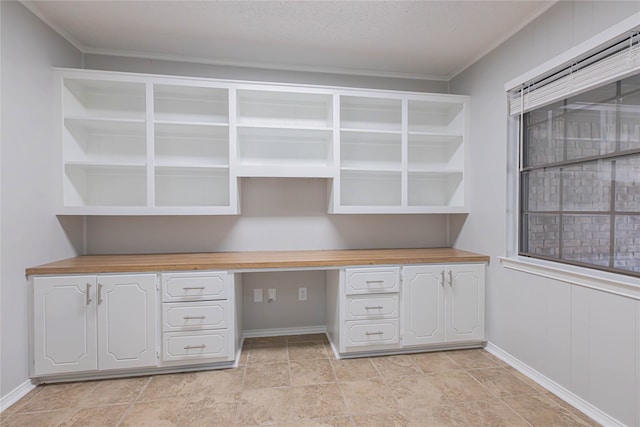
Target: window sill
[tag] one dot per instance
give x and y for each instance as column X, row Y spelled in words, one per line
column 607, row 282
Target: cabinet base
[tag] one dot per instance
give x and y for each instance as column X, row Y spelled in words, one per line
column 405, row 350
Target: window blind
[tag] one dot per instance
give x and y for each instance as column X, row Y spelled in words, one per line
column 615, row 62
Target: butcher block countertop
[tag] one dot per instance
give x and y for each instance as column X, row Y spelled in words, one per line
column 253, row 260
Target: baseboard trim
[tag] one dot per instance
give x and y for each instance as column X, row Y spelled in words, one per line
column 555, row 388
column 255, row 333
column 16, row 394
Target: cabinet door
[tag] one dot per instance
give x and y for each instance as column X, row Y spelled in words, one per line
column 423, row 305
column 465, row 302
column 64, row 329
column 126, row 321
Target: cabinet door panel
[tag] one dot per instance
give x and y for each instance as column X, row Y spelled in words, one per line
column 465, row 302
column 210, row 285
column 64, row 324
column 126, row 321
column 372, row 280
column 423, row 305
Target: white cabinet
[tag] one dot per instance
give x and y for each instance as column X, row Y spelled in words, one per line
column 87, row 323
column 134, row 144
column 443, row 303
column 197, row 318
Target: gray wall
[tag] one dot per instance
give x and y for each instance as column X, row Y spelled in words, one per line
column 583, row 339
column 30, row 232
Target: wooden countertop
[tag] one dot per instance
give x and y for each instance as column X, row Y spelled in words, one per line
column 253, row 260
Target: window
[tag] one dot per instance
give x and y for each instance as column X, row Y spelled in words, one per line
column 580, row 179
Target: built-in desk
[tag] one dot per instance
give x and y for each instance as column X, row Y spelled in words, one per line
column 98, row 316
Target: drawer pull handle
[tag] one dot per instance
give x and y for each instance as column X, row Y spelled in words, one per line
column 99, row 294
column 442, row 283
column 193, row 288
column 374, row 333
column 194, row 317
column 377, row 307
column 370, row 282
column 190, row 347
column 451, row 278
column 87, row 294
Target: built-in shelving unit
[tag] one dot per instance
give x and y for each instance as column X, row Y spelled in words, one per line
column 135, row 144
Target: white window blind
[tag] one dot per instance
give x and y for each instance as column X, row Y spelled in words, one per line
column 613, row 63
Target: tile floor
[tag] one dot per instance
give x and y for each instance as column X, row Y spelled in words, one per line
column 296, row 381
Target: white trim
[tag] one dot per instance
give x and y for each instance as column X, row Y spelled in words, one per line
column 555, row 388
column 607, row 282
column 569, row 55
column 276, row 332
column 16, row 394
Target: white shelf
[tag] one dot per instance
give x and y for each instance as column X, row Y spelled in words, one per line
column 191, row 145
column 104, row 185
column 434, row 189
column 442, row 152
column 104, row 99
column 371, row 114
column 436, row 116
column 190, row 104
column 184, row 186
column 370, row 188
column 284, row 109
column 370, row 150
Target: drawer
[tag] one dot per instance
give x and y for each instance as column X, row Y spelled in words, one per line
column 383, row 332
column 209, row 285
column 372, row 307
column 197, row 345
column 372, row 280
column 182, row 316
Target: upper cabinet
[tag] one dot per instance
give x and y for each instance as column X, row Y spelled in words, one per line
column 133, row 144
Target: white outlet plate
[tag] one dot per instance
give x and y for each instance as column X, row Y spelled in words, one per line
column 302, row 294
column 257, row 295
column 271, row 295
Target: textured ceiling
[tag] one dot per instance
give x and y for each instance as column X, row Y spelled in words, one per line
column 419, row 39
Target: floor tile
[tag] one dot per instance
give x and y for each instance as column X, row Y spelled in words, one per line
column 433, row 363
column 261, row 341
column 501, row 382
column 368, row 397
column 392, row 419
column 40, row 419
column 472, row 359
column 267, row 354
column 307, row 337
column 97, row 416
column 354, row 369
column 318, row 401
column 157, row 413
column 265, row 406
column 492, row 412
column 437, row 416
column 415, row 391
column 17, row 406
column 59, row 396
column 211, row 410
column 541, row 410
column 108, row 392
column 395, row 366
column 307, row 350
column 168, row 386
column 572, row 410
column 459, row 386
column 322, row 422
column 211, row 382
column 267, row 375
column 311, row 371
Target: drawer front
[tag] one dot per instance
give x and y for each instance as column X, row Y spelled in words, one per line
column 372, row 280
column 372, row 307
column 383, row 332
column 196, row 345
column 195, row 315
column 210, row 285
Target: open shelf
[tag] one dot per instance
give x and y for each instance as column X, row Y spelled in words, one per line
column 183, row 186
column 435, row 189
column 436, row 117
column 104, row 99
column 435, row 153
column 105, row 185
column 191, row 145
column 284, row 147
column 99, row 140
column 372, row 114
column 284, row 109
column 370, row 188
column 190, row 104
column 370, row 151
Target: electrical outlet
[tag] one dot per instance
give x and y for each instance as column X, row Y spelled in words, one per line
column 271, row 295
column 302, row 294
column 257, row 295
